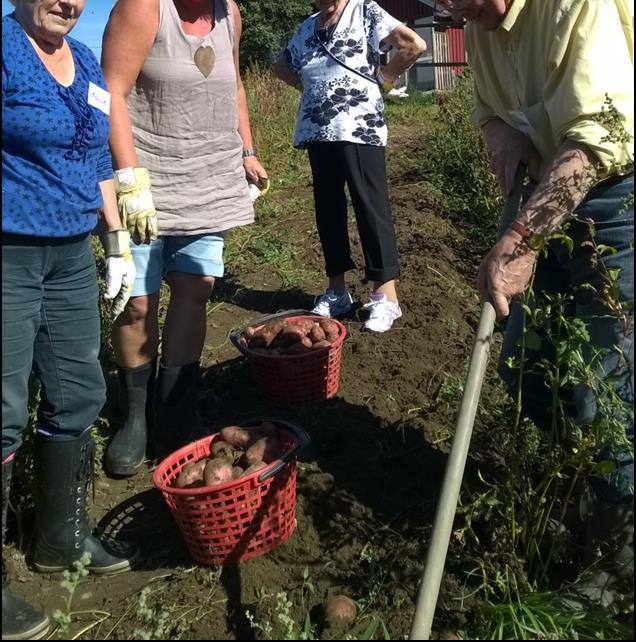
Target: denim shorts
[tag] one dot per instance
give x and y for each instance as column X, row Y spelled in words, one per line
column 200, row 254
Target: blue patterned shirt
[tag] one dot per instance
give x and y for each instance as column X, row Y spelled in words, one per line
column 341, row 103
column 54, row 144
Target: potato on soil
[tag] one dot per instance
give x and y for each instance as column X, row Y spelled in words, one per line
column 340, row 611
column 217, row 471
column 238, row 437
column 267, row 449
column 190, row 473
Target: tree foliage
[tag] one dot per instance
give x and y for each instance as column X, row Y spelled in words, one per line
column 268, row 25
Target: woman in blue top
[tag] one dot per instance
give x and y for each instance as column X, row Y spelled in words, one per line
column 56, row 174
column 334, row 58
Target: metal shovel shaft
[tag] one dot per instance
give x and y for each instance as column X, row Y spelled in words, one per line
column 447, row 504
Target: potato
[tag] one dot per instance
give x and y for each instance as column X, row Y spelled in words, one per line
column 221, row 448
column 190, row 473
column 289, row 335
column 340, row 611
column 266, row 449
column 265, row 336
column 217, row 471
column 321, row 344
column 330, row 328
column 237, row 472
column 238, row 437
column 305, row 325
column 296, row 348
column 316, row 334
column 254, row 467
column 249, row 332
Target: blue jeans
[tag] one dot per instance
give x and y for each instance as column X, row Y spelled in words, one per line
column 610, row 206
column 50, row 324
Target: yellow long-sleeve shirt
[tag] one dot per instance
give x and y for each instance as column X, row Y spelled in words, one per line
column 547, row 70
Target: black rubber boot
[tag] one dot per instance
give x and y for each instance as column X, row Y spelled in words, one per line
column 20, row 621
column 177, row 415
column 64, row 470
column 127, row 450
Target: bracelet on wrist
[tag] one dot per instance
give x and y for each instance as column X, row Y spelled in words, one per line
column 251, row 151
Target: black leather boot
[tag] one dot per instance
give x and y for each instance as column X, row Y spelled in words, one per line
column 127, row 450
column 20, row 621
column 64, row 470
column 177, row 400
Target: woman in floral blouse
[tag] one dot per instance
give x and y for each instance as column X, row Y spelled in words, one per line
column 334, row 59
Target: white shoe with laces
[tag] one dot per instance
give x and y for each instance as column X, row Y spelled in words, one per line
column 382, row 313
column 331, row 304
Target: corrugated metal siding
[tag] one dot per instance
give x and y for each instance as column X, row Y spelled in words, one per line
column 406, row 10
column 456, row 51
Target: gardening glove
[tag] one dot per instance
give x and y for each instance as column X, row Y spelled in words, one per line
column 134, row 200
column 120, row 269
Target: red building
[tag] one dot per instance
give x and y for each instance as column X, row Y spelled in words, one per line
column 439, row 65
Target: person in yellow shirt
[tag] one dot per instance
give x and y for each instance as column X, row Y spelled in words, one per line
column 550, row 76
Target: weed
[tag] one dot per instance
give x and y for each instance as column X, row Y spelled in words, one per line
column 71, row 579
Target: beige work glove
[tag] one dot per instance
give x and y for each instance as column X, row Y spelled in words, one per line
column 134, row 200
column 120, row 269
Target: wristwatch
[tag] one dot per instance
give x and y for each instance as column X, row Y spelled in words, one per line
column 532, row 239
column 249, row 152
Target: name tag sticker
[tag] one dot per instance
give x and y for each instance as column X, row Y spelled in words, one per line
column 99, row 98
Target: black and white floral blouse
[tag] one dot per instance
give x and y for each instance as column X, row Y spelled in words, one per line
column 339, row 104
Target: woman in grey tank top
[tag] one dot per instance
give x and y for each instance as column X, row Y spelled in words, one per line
column 181, row 145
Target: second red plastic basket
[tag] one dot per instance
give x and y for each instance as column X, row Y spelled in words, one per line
column 243, row 518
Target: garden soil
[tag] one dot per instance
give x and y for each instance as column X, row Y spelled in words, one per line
column 367, row 484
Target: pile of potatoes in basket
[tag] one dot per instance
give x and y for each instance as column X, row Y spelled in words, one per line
column 283, row 337
column 235, row 453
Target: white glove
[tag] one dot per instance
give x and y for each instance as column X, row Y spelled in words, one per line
column 120, row 269
column 134, row 201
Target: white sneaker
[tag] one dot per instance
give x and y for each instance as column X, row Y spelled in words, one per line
column 331, row 304
column 382, row 313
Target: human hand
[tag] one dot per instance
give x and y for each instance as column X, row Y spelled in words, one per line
column 509, row 148
column 134, row 201
column 120, row 269
column 254, row 171
column 506, row 271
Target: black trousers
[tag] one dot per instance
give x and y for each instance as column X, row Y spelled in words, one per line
column 363, row 169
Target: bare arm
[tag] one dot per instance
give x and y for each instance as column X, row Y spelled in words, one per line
column 507, row 268
column 253, row 169
column 109, row 213
column 129, row 36
column 566, row 183
column 281, row 70
column 409, row 47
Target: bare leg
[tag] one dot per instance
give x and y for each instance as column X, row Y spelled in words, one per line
column 186, row 319
column 388, row 288
column 136, row 332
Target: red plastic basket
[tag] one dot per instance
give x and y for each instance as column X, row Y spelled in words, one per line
column 292, row 379
column 244, row 518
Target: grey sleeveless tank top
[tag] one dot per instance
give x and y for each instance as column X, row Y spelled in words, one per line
column 185, row 126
